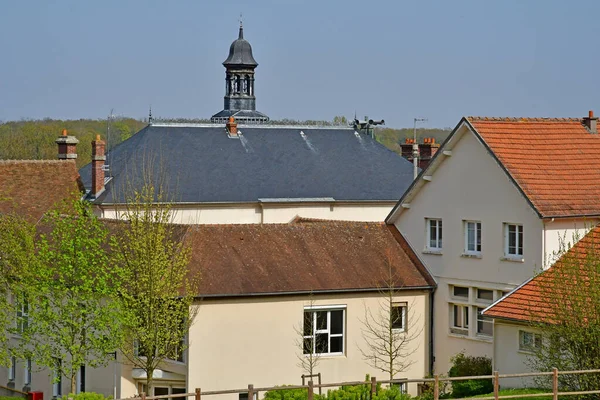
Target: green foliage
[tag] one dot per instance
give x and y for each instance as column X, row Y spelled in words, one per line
column 290, row 394
column 463, row 365
column 358, row 392
column 515, row 392
column 71, row 292
column 34, row 139
column 87, row 396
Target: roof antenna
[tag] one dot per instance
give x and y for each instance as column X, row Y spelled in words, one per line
column 150, row 116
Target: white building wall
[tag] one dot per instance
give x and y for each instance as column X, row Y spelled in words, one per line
column 271, row 212
column 470, row 185
column 508, row 358
column 562, row 234
column 237, row 342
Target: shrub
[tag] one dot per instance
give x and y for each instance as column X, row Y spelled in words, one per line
column 463, row 365
column 87, row 396
column 290, row 394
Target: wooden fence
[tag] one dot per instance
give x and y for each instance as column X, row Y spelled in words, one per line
column 435, row 381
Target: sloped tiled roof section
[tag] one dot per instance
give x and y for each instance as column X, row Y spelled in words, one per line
column 555, row 162
column 31, row 187
column 299, row 257
column 533, row 301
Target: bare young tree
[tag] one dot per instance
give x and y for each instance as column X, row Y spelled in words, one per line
column 388, row 337
column 309, row 348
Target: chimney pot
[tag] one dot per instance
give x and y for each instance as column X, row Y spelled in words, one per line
column 591, row 122
column 67, row 146
column 231, row 127
column 98, row 158
column 591, row 114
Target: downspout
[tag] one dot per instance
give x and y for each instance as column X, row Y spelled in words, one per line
column 431, row 330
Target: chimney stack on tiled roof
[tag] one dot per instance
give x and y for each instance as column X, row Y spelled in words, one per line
column 427, row 150
column 591, row 122
column 98, row 159
column 231, row 126
column 67, row 146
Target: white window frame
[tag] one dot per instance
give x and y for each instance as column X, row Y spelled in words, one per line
column 328, row 309
column 477, row 244
column 27, row 373
column 78, row 381
column 460, row 297
column 404, row 308
column 12, row 369
column 536, row 341
column 57, row 380
column 22, row 314
column 482, row 300
column 483, row 320
column 518, row 242
column 439, row 234
column 463, row 328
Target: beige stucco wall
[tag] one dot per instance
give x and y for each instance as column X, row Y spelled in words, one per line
column 508, row 359
column 237, row 342
column 470, row 185
column 561, row 234
column 271, row 212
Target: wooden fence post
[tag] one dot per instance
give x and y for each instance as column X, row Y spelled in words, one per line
column 436, row 387
column 250, row 392
column 310, row 390
column 555, row 383
column 496, row 385
column 373, row 386
column 143, row 396
column 198, row 394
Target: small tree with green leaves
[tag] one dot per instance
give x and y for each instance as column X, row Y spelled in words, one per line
column 158, row 285
column 309, row 348
column 387, row 335
column 565, row 315
column 71, row 291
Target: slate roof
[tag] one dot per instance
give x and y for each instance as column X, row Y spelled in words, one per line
column 320, row 256
column 554, row 161
column 240, row 52
column 29, row 188
column 202, row 164
column 533, row 301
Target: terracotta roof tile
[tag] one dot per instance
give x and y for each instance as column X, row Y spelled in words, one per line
column 531, row 302
column 300, row 257
column 555, row 161
column 31, row 187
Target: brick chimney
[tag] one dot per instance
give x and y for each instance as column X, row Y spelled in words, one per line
column 67, row 146
column 591, row 122
column 427, row 150
column 231, row 127
column 98, row 159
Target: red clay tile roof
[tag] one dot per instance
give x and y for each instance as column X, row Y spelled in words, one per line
column 31, row 187
column 316, row 256
column 532, row 301
column 555, row 162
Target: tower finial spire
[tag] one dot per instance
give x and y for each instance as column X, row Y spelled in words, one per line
column 241, row 35
column 150, row 115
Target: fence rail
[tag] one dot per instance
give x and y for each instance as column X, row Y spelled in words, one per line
column 436, row 380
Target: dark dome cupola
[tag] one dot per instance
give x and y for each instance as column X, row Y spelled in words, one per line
column 240, row 101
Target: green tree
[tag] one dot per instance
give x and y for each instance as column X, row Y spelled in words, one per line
column 158, row 286
column 73, row 309
column 17, row 254
column 565, row 315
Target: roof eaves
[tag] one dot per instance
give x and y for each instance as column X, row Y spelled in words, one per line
column 506, row 171
column 509, row 293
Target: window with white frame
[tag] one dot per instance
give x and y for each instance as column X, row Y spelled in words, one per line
column 485, row 325
column 323, row 330
column 27, row 373
column 460, row 319
column 460, row 292
column 485, row 295
column 22, row 314
column 513, row 242
column 57, row 380
column 473, row 237
column 80, row 380
column 398, row 316
column 12, row 369
column 529, row 341
column 434, row 234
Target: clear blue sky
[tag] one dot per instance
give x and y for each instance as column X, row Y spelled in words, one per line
column 317, row 59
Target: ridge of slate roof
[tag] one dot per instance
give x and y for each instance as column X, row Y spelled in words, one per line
column 30, row 188
column 203, row 164
column 530, row 303
column 320, row 256
column 555, row 162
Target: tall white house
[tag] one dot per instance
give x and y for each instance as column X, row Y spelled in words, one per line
column 490, row 211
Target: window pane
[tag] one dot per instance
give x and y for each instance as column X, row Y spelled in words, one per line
column 322, row 345
column 470, row 236
column 487, row 295
column 512, row 239
column 432, row 234
column 466, row 316
column 440, row 233
column 457, row 316
column 308, row 321
column 485, row 328
column 520, row 240
column 308, row 345
column 337, row 321
column 336, row 344
column 321, row 320
column 478, row 236
column 397, row 317
column 461, row 292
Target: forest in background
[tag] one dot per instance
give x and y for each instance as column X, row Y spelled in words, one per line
column 35, row 139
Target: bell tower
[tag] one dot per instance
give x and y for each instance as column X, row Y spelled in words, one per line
column 240, row 99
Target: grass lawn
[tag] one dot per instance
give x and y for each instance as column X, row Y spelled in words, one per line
column 513, row 392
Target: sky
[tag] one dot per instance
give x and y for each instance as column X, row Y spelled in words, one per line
column 393, row 60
